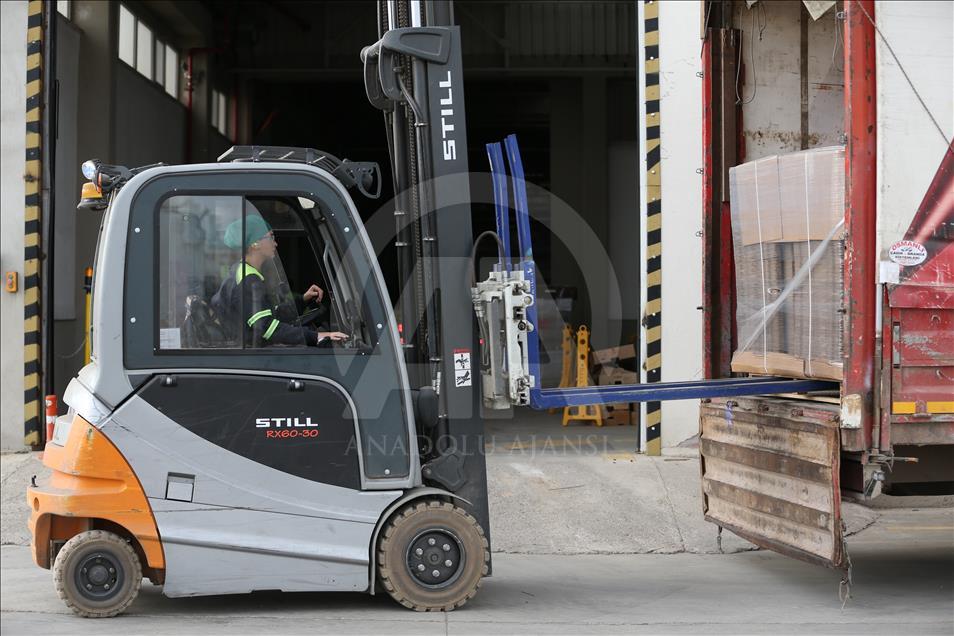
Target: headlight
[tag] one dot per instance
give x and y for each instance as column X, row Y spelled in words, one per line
column 89, row 169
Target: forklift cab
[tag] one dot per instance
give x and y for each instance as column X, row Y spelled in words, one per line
column 163, row 244
column 247, row 465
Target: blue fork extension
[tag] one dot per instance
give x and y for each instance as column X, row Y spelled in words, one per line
column 660, row 391
column 541, row 398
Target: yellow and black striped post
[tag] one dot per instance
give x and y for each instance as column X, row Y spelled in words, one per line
column 652, row 320
column 32, row 175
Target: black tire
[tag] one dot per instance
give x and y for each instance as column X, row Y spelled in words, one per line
column 97, row 574
column 457, row 539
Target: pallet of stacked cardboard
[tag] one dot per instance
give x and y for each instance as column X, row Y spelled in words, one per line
column 788, row 237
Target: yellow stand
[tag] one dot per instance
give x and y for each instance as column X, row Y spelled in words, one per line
column 88, row 290
column 592, row 412
column 567, row 347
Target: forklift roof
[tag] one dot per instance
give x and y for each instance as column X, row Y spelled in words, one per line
column 365, row 175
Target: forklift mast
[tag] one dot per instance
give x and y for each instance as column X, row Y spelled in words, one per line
column 413, row 74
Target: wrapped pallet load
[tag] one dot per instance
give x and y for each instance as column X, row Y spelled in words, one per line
column 788, row 236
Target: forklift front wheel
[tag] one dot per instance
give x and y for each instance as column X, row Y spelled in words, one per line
column 432, row 556
column 97, row 574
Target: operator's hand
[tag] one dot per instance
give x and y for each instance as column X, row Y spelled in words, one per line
column 312, row 293
column 335, row 336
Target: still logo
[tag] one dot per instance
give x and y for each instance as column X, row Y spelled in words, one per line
column 447, row 123
column 284, row 422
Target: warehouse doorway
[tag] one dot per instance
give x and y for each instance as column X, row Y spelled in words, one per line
column 561, row 75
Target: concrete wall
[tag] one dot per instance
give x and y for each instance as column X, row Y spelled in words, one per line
column 140, row 100
column 67, row 174
column 910, row 148
column 779, row 41
column 681, row 155
column 120, row 117
column 13, row 31
column 93, row 117
column 107, row 111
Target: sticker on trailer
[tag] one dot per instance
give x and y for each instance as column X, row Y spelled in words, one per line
column 462, row 377
column 907, row 253
column 461, row 360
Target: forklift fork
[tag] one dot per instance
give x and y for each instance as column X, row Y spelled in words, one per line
column 506, row 304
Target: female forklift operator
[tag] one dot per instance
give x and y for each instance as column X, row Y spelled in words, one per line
column 262, row 319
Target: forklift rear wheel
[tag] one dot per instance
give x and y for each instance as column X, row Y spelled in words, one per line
column 97, row 574
column 432, row 556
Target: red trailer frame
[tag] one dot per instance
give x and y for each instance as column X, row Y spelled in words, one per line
column 861, row 196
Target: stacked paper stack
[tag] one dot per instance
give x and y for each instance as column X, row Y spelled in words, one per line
column 787, row 225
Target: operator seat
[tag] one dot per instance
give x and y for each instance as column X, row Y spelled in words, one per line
column 201, row 328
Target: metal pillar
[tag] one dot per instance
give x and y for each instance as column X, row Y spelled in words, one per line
column 33, row 203
column 652, row 226
column 860, row 211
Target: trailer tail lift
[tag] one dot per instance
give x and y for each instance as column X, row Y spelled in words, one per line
column 505, row 304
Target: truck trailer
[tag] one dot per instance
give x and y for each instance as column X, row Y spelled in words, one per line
column 873, row 80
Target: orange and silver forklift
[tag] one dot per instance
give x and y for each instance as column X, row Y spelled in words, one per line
column 213, row 456
column 224, row 440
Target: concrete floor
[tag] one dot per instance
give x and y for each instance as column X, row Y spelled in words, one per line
column 552, row 490
column 588, row 538
column 903, row 583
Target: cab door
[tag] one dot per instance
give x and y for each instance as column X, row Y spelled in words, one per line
column 267, row 461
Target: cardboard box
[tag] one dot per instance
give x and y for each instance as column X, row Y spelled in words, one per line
column 615, row 375
column 605, row 356
column 753, row 190
column 785, row 198
column 618, row 414
column 789, row 255
column 811, row 193
column 814, row 322
column 760, row 278
column 786, row 365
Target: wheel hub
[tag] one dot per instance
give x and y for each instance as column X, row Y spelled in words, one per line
column 99, row 576
column 435, row 558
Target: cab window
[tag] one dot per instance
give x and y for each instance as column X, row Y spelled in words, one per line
column 252, row 273
column 193, row 261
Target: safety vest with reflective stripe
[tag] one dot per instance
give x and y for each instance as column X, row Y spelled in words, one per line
column 265, row 313
column 246, row 280
column 248, row 271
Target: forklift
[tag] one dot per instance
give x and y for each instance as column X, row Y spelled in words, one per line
column 239, row 430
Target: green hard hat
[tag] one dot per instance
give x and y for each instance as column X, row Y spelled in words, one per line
column 255, row 228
